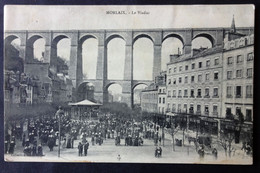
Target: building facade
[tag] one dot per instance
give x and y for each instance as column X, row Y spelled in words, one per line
column 238, row 69
column 149, row 99
column 194, row 82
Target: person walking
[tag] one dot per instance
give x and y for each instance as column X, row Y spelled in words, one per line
column 80, row 148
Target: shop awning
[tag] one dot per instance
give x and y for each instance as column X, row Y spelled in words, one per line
column 84, row 103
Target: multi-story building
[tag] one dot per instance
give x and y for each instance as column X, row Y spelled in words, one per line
column 149, row 99
column 194, row 82
column 213, row 82
column 161, row 82
column 238, row 64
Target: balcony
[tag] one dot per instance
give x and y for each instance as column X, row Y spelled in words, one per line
column 179, row 96
column 185, row 96
column 174, row 96
column 192, row 97
column 207, row 96
column 198, row 96
column 238, row 96
column 215, row 96
column 206, row 113
column 229, row 96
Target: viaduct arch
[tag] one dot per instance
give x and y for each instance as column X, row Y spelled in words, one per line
column 77, row 37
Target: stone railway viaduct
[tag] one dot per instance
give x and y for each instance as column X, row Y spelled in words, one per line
column 101, row 83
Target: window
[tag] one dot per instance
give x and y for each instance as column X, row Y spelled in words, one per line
column 215, row 92
column 249, row 72
column 185, row 107
column 200, row 64
column 164, row 91
column 160, row 90
column 238, row 110
column 215, row 110
column 174, row 69
column 179, row 93
column 249, row 91
column 207, row 77
column 193, row 66
column 169, row 81
column 179, row 107
column 192, row 79
column 186, row 67
column 216, row 61
column 199, row 78
column 173, row 108
column 238, row 91
column 206, row 110
column 160, row 99
column 191, row 109
column 169, row 93
column 230, row 60
column 229, row 91
column 186, row 79
column 239, row 59
column 229, row 74
column 174, row 81
column 215, row 75
column 198, row 109
column 180, row 80
column 199, row 93
column 248, row 115
column 207, row 63
column 162, row 109
column 239, row 73
column 250, row 56
column 170, row 70
column 192, row 93
column 185, row 93
column 173, row 93
column 163, row 100
column 180, row 68
column 206, row 92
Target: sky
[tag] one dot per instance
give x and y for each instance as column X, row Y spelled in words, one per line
column 96, row 17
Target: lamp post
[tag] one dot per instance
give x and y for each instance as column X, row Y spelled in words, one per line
column 59, row 113
column 59, row 136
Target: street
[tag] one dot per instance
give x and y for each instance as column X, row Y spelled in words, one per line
column 108, row 152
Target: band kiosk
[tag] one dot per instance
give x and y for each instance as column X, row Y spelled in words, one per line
column 84, row 109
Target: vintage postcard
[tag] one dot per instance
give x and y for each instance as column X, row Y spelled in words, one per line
column 129, row 84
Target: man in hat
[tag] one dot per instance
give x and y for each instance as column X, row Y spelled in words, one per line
column 80, row 147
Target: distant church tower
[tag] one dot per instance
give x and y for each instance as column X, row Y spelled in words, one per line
column 233, row 26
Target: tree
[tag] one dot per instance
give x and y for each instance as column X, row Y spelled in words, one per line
column 225, row 140
column 174, row 129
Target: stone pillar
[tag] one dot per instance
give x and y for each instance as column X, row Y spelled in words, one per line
column 187, row 42
column 74, row 60
column 220, row 34
column 157, row 60
column 127, row 93
column 128, row 68
column 22, row 49
column 101, row 73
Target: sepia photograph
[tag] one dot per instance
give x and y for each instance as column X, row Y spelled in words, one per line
column 129, row 84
